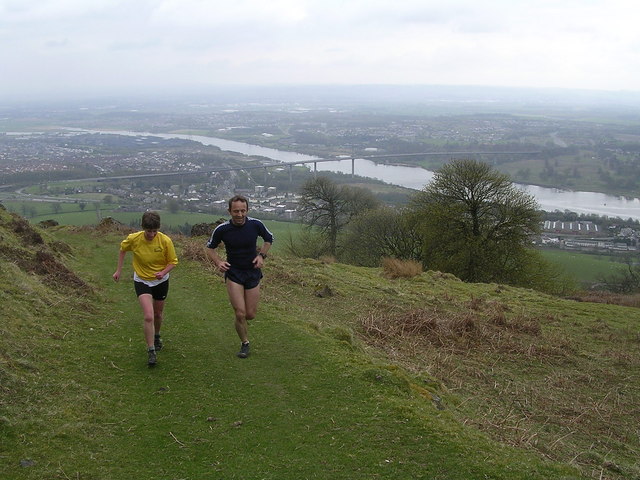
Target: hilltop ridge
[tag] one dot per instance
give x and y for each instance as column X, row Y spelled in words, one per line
column 426, row 377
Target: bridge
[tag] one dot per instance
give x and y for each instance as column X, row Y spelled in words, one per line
column 290, row 165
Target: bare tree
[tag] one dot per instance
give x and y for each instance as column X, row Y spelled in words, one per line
column 329, row 206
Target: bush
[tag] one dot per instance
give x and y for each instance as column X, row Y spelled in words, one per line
column 395, row 268
column 376, row 234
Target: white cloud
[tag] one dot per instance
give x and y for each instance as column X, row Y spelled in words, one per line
column 56, row 44
column 239, row 13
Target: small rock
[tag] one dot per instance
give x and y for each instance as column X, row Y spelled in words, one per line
column 437, row 401
column 324, row 292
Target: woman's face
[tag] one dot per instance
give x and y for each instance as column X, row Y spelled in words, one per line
column 150, row 234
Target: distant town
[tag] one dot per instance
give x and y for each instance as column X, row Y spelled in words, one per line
column 57, row 164
column 135, row 174
column 588, row 236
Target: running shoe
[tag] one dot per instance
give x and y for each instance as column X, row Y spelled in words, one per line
column 244, row 350
column 153, row 359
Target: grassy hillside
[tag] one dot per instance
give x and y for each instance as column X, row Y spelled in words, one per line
column 352, row 375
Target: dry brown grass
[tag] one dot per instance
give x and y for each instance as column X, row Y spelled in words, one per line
column 107, row 225
column 625, row 300
column 460, row 332
column 193, row 249
column 395, row 268
column 520, row 379
column 327, row 259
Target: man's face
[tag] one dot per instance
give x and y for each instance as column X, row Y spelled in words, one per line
column 238, row 212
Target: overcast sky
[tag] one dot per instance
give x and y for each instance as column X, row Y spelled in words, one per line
column 49, row 46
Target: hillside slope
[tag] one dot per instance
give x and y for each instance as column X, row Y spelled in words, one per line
column 351, row 375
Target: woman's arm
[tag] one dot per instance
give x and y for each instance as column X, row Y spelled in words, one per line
column 118, row 272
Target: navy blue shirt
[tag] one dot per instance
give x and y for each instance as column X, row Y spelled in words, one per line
column 240, row 241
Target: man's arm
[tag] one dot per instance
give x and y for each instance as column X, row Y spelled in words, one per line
column 221, row 264
column 258, row 262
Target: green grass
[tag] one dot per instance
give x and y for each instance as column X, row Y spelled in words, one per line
column 584, row 267
column 321, row 397
column 303, row 406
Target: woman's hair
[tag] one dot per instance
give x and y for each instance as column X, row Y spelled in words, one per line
column 150, row 221
column 239, row 198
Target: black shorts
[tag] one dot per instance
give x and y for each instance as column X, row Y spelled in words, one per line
column 159, row 292
column 247, row 278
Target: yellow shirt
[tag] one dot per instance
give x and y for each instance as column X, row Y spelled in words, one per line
column 152, row 256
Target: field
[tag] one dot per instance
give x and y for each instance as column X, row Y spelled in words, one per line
column 586, row 268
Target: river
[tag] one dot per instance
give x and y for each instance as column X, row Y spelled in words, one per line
column 549, row 199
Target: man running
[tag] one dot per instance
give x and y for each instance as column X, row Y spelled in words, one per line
column 243, row 265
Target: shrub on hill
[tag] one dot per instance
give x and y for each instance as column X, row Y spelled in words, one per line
column 205, row 229
column 395, row 268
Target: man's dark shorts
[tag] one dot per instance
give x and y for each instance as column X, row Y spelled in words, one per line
column 159, row 292
column 247, row 278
